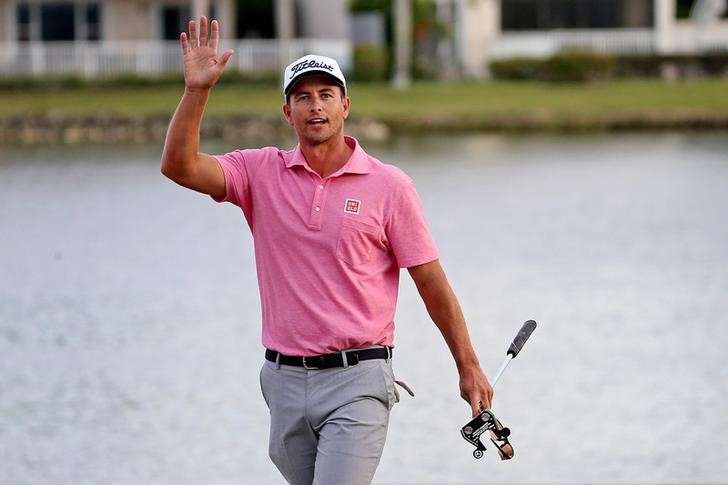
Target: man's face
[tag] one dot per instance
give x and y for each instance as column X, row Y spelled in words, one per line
column 316, row 109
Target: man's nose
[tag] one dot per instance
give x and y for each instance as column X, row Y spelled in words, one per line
column 316, row 105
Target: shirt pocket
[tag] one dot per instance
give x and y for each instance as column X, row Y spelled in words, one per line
column 357, row 242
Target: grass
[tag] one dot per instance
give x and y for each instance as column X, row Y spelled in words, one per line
column 426, row 104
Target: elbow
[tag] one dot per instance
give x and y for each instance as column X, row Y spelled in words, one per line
column 170, row 175
column 167, row 172
column 166, row 167
column 172, row 169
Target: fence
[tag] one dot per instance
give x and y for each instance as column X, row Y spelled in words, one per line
column 150, row 58
column 684, row 38
column 546, row 43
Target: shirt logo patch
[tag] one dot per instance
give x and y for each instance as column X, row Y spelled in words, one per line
column 352, row 206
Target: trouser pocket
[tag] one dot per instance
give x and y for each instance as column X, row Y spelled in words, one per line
column 391, row 383
column 263, row 381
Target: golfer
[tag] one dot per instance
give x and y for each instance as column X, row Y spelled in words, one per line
column 332, row 226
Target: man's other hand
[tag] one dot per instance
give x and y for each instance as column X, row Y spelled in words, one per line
column 475, row 388
column 202, row 65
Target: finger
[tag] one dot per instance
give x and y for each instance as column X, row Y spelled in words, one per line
column 203, row 31
column 215, row 35
column 475, row 408
column 225, row 57
column 489, row 394
column 183, row 42
column 193, row 34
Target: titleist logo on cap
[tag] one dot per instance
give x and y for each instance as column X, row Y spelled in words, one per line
column 309, row 64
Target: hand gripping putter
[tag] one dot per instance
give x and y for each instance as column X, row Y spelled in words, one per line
column 486, row 420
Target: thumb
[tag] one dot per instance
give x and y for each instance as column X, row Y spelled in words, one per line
column 225, row 57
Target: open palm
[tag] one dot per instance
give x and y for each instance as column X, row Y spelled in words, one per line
column 202, row 65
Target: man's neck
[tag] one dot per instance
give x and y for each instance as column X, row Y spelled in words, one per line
column 328, row 157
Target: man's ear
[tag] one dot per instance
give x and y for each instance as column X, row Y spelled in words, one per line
column 346, row 102
column 287, row 114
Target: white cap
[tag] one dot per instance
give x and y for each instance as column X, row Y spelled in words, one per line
column 312, row 63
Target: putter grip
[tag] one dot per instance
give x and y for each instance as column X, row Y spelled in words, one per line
column 520, row 340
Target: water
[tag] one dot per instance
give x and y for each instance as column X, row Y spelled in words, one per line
column 130, row 334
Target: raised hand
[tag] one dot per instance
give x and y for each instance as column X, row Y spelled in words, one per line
column 202, row 65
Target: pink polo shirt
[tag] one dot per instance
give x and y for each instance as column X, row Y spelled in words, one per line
column 327, row 251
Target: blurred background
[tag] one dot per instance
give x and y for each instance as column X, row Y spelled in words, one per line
column 572, row 158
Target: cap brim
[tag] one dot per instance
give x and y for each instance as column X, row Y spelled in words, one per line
column 296, row 79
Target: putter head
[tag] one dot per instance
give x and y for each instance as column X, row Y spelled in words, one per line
column 487, row 422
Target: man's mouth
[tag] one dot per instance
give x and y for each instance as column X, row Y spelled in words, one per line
column 316, row 121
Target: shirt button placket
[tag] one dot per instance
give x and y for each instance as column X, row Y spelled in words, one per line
column 317, row 206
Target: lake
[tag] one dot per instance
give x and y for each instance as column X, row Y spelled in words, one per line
column 130, row 318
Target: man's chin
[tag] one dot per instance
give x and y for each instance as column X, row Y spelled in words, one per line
column 317, row 138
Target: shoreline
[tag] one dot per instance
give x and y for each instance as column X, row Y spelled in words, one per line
column 135, row 114
column 74, row 130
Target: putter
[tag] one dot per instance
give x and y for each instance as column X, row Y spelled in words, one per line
column 486, row 420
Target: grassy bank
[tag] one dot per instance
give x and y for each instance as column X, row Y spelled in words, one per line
column 448, row 106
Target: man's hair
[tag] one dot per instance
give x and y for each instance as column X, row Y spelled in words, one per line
column 341, row 90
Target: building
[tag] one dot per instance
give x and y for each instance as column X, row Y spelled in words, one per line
column 496, row 29
column 107, row 37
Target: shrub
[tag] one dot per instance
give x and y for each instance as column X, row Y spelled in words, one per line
column 370, row 63
column 561, row 67
column 125, row 80
column 52, row 81
column 233, row 76
column 16, row 83
column 639, row 65
column 686, row 65
column 71, row 81
column 517, row 68
column 578, row 67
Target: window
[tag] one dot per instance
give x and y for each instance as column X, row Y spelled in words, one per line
column 174, row 21
column 93, row 21
column 22, row 14
column 683, row 8
column 575, row 14
column 56, row 21
column 255, row 19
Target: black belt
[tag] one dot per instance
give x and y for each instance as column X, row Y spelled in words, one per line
column 324, row 361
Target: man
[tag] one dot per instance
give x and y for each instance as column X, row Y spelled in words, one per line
column 332, row 226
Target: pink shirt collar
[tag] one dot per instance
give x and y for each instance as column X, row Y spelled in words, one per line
column 357, row 163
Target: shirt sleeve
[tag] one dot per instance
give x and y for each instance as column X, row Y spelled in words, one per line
column 407, row 231
column 237, row 180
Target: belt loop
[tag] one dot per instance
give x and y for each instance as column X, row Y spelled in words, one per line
column 389, row 353
column 343, row 359
column 278, row 360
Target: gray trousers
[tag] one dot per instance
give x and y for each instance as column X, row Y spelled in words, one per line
column 328, row 426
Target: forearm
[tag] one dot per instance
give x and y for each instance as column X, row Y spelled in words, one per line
column 183, row 134
column 445, row 311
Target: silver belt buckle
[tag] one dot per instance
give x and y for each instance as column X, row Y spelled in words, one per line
column 308, row 367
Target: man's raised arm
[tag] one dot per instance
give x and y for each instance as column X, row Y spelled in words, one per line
column 181, row 160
